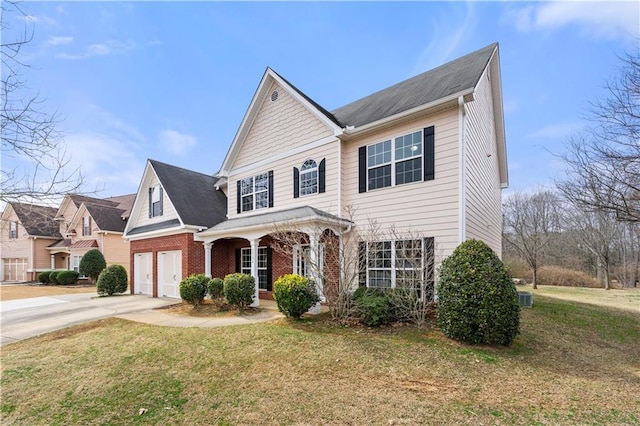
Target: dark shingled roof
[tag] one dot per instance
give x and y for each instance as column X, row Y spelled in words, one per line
column 453, row 77
column 154, row 227
column 37, row 220
column 193, row 195
column 107, row 218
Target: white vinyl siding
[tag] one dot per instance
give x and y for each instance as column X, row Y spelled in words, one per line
column 279, row 126
column 483, row 193
column 142, row 218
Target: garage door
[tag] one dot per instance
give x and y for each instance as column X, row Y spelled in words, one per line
column 14, row 269
column 143, row 280
column 169, row 273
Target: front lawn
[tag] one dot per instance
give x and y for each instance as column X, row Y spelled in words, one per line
column 572, row 364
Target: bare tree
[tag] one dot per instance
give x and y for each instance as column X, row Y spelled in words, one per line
column 40, row 168
column 603, row 163
column 531, row 221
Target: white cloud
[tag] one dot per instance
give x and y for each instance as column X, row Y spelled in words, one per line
column 176, row 142
column 110, row 47
column 610, row 20
column 558, row 130
column 58, row 41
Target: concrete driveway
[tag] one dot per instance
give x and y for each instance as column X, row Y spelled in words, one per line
column 23, row 318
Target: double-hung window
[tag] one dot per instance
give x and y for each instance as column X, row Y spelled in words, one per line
column 155, row 201
column 13, row 230
column 309, row 178
column 400, row 263
column 397, row 161
column 255, row 192
column 263, row 266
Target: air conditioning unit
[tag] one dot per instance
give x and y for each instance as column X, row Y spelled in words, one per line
column 525, row 299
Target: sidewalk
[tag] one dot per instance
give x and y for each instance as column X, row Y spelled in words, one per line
column 158, row 317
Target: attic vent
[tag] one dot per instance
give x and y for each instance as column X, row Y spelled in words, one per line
column 274, row 96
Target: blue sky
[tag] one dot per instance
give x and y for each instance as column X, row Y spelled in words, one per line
column 172, row 80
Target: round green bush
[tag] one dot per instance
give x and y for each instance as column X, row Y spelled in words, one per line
column 43, row 277
column 193, row 289
column 67, row 277
column 477, row 300
column 372, row 308
column 239, row 290
column 53, row 276
column 294, row 295
column 92, row 264
column 215, row 288
column 112, row 280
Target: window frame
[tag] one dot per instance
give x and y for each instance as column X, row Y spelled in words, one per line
column 156, row 207
column 13, row 230
column 263, row 265
column 391, row 263
column 86, row 225
column 76, row 267
column 254, row 194
column 315, row 169
column 394, row 161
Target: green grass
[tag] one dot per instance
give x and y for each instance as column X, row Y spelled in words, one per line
column 572, row 364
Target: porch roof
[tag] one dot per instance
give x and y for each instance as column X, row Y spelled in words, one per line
column 66, row 243
column 295, row 216
column 84, row 244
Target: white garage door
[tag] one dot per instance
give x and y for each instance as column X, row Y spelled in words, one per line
column 14, row 269
column 143, row 280
column 169, row 273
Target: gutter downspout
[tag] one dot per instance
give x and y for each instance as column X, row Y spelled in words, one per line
column 462, row 173
column 339, row 177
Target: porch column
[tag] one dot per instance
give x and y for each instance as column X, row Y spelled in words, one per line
column 314, row 258
column 207, row 259
column 53, row 261
column 254, row 270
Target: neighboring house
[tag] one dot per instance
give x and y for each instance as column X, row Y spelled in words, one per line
column 172, row 205
column 87, row 223
column 425, row 156
column 26, row 232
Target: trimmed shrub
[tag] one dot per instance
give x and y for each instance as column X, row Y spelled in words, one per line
column 239, row 290
column 294, row 295
column 53, row 276
column 43, row 277
column 193, row 289
column 67, row 277
column 372, row 308
column 477, row 300
column 215, row 288
column 112, row 280
column 92, row 264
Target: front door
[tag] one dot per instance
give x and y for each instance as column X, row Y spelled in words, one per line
column 169, row 273
column 143, row 280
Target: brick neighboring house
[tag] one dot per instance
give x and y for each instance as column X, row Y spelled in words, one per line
column 427, row 155
column 25, row 233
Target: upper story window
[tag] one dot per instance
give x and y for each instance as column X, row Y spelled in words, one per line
column 309, row 179
column 86, row 225
column 396, row 161
column 155, row 201
column 255, row 192
column 13, row 230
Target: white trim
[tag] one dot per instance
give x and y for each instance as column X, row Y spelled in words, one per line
column 281, row 155
column 462, row 173
column 163, row 233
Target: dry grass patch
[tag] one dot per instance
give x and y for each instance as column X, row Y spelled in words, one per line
column 628, row 298
column 25, row 291
column 573, row 364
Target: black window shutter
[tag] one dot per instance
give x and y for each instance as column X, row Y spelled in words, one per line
column 161, row 198
column 270, row 195
column 238, row 255
column 321, row 176
column 429, row 264
column 150, row 202
column 429, row 153
column 296, row 182
column 238, row 200
column 362, row 264
column 362, row 169
column 269, row 270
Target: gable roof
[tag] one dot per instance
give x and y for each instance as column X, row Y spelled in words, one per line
column 452, row 78
column 107, row 218
column 193, row 194
column 37, row 220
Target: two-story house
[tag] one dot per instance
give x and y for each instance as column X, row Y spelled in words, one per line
column 426, row 156
column 27, row 230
